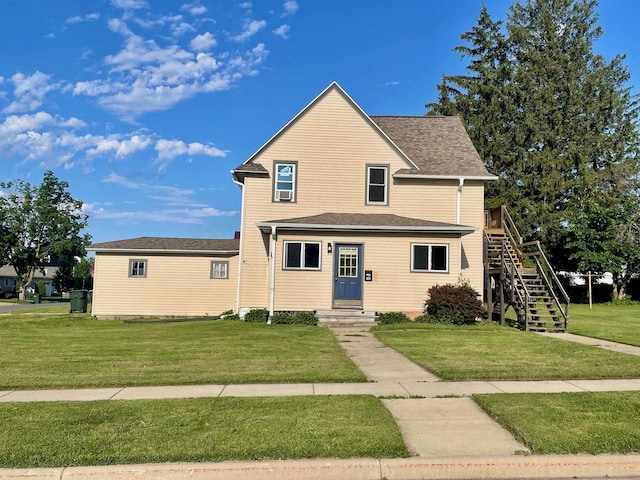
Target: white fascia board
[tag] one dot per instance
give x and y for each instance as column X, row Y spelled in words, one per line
column 462, row 229
column 446, row 177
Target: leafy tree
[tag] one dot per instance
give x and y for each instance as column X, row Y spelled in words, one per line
column 83, row 274
column 556, row 123
column 63, row 279
column 39, row 222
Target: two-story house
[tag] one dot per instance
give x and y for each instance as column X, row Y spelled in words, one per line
column 340, row 210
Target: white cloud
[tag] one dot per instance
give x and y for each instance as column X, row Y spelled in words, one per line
column 246, row 5
column 391, row 84
column 90, row 17
column 29, row 92
column 50, row 36
column 166, row 216
column 168, row 150
column 203, row 42
column 250, row 29
column 290, row 7
column 129, row 4
column 282, row 31
column 194, row 8
column 23, row 123
column 121, row 148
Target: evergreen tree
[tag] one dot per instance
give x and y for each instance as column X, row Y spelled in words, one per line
column 554, row 121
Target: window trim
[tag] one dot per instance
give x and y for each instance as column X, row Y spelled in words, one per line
column 139, row 260
column 384, row 167
column 303, row 244
column 274, row 189
column 226, row 269
column 429, row 261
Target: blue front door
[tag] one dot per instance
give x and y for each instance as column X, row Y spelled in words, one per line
column 347, row 273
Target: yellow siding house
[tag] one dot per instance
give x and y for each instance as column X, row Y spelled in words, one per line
column 340, row 211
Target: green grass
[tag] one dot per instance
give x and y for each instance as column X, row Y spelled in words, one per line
column 618, row 323
column 41, row 350
column 195, row 430
column 487, row 351
column 569, row 423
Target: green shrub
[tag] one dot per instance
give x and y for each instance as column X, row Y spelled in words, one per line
column 426, row 318
column 297, row 318
column 281, row 318
column 257, row 315
column 389, row 318
column 458, row 304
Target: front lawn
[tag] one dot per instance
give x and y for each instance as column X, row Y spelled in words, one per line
column 569, row 423
column 486, row 351
column 618, row 323
column 195, row 430
column 45, row 350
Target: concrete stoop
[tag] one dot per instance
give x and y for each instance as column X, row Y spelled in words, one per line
column 345, row 318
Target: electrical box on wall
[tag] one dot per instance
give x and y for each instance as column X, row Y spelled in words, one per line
column 368, row 275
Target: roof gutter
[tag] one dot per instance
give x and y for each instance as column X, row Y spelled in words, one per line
column 154, row 251
column 462, row 229
column 446, row 177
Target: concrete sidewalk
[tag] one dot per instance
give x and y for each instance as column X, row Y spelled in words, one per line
column 495, row 467
column 596, row 342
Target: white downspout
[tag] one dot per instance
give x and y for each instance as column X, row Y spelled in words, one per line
column 272, row 280
column 459, row 199
column 240, row 259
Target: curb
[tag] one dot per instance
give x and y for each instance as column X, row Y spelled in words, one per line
column 512, row 467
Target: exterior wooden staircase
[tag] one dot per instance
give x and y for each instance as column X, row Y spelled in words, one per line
column 518, row 275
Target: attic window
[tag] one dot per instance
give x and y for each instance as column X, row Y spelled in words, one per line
column 377, row 184
column 284, row 182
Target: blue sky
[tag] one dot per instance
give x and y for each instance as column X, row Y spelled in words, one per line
column 145, row 106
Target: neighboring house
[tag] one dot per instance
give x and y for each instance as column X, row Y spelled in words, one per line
column 339, row 210
column 9, row 278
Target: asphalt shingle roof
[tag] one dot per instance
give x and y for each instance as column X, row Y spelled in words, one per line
column 169, row 244
column 437, row 145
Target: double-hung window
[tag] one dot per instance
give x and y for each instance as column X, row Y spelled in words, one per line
column 219, row 269
column 137, row 268
column 377, row 185
column 429, row 257
column 284, row 188
column 302, row 255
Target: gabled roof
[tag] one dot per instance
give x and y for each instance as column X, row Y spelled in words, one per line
column 168, row 245
column 439, row 146
column 245, row 167
column 432, row 146
column 374, row 222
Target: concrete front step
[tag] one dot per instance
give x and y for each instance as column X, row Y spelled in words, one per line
column 345, row 318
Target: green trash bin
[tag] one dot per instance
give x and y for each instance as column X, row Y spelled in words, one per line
column 37, row 298
column 78, row 301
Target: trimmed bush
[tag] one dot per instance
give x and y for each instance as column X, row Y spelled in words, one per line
column 389, row 318
column 298, row 318
column 257, row 315
column 305, row 318
column 457, row 304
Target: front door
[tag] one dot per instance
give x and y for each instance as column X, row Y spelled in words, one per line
column 347, row 274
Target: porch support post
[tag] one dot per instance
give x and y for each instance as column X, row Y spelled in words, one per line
column 502, row 309
column 272, row 272
column 489, row 296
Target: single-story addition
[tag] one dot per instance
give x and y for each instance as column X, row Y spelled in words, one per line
column 340, row 210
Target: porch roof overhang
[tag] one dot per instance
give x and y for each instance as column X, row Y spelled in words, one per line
column 364, row 222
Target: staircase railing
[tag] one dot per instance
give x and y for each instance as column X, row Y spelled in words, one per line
column 515, row 280
column 549, row 277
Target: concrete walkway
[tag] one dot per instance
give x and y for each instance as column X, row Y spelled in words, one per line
column 604, row 344
column 378, row 362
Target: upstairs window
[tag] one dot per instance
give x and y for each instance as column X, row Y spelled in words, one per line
column 284, row 182
column 429, row 258
column 137, row 268
column 302, row 255
column 377, row 185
